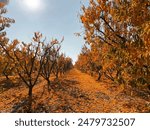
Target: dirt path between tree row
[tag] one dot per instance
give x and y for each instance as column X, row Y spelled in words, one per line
column 76, row 92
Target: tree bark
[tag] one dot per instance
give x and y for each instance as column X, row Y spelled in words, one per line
column 49, row 84
column 57, row 74
column 30, row 99
column 99, row 75
column 6, row 76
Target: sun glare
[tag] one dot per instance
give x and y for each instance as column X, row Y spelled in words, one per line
column 33, row 4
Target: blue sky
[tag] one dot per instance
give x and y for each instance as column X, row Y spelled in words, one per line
column 55, row 19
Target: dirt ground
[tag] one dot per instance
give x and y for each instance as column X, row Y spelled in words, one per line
column 75, row 92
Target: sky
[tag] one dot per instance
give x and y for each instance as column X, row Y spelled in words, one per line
column 53, row 18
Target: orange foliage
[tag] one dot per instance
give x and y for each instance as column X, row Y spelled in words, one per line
column 118, row 33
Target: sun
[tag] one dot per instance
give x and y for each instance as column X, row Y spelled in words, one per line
column 32, row 4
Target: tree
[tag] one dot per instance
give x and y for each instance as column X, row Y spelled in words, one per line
column 5, row 65
column 68, row 64
column 63, row 64
column 28, row 60
column 49, row 61
column 119, row 29
column 84, row 59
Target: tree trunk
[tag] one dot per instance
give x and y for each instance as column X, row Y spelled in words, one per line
column 119, row 77
column 99, row 76
column 5, row 71
column 7, row 77
column 108, row 76
column 57, row 74
column 49, row 84
column 30, row 99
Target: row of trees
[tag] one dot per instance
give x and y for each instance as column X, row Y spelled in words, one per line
column 117, row 35
column 30, row 60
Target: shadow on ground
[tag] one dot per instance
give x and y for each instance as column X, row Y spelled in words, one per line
column 7, row 84
column 57, row 96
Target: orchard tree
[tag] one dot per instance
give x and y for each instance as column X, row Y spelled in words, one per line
column 28, row 60
column 51, row 51
column 84, row 60
column 68, row 64
column 120, row 30
column 63, row 64
column 58, row 69
column 33, row 60
column 5, row 65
